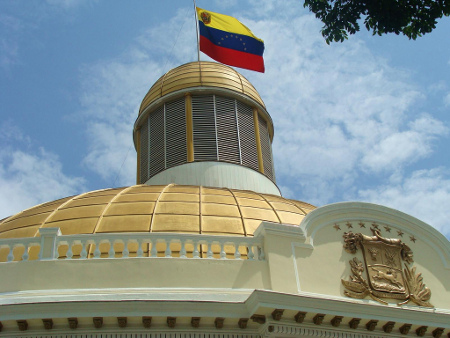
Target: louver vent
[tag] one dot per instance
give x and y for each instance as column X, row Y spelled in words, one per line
column 227, row 133
column 247, row 136
column 176, row 152
column 223, row 130
column 157, row 142
column 144, row 153
column 266, row 148
column 203, row 118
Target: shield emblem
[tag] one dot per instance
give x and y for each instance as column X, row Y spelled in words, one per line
column 206, row 17
column 384, row 267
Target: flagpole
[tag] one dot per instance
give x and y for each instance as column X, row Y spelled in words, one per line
column 196, row 28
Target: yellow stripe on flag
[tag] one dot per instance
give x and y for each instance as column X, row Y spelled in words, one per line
column 224, row 23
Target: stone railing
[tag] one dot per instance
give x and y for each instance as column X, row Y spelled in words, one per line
column 52, row 245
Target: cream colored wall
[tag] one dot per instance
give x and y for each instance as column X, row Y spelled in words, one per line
column 322, row 268
column 133, row 273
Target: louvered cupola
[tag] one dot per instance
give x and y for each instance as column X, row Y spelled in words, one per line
column 203, row 123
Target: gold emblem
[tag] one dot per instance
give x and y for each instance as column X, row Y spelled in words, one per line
column 206, row 17
column 384, row 259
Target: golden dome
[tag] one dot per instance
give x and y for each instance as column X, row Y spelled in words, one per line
column 166, row 208
column 200, row 74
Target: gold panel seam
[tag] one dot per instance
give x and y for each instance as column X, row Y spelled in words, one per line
column 274, row 210
column 59, row 207
column 107, row 207
column 240, row 212
column 156, row 204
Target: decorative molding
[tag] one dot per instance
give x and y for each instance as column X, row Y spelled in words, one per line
column 98, row 322
column 371, row 325
column 23, row 325
column 404, row 329
column 277, row 314
column 260, row 319
column 218, row 322
column 336, row 321
column 122, row 321
column 171, row 321
column 363, row 212
column 300, row 317
column 73, row 323
column 140, row 334
column 388, row 327
column 437, row 333
column 300, row 331
column 420, row 331
column 353, row 324
column 284, row 230
column 242, row 323
column 318, row 318
column 48, row 323
column 195, row 322
column 147, row 321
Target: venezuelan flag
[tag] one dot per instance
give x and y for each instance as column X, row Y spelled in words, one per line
column 226, row 40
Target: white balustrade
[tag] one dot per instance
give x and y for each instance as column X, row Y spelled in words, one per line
column 52, row 245
column 13, row 243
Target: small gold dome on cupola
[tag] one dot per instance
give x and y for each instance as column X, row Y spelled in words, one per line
column 200, row 74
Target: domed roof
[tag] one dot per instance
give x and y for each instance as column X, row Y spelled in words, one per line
column 163, row 208
column 200, row 74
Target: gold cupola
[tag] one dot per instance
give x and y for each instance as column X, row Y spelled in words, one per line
column 203, row 123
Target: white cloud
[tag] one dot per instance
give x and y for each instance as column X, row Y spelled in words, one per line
column 113, row 89
column 29, row 179
column 30, row 176
column 423, row 194
column 401, row 147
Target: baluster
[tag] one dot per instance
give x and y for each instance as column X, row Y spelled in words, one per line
column 223, row 254
column 168, row 252
column 154, row 252
column 97, row 249
column 25, row 255
column 125, row 251
column 261, row 253
column 237, row 254
column 209, row 253
column 11, row 254
column 183, row 249
column 83, row 253
column 139, row 252
column 111, row 252
column 69, row 253
column 195, row 253
column 251, row 255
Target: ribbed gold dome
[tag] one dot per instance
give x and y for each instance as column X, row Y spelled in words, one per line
column 200, row 74
column 170, row 208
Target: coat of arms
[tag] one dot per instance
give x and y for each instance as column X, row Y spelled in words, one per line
column 206, row 17
column 384, row 259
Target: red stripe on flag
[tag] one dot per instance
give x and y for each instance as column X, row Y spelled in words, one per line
column 232, row 57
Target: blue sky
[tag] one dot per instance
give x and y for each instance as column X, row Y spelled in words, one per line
column 365, row 120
